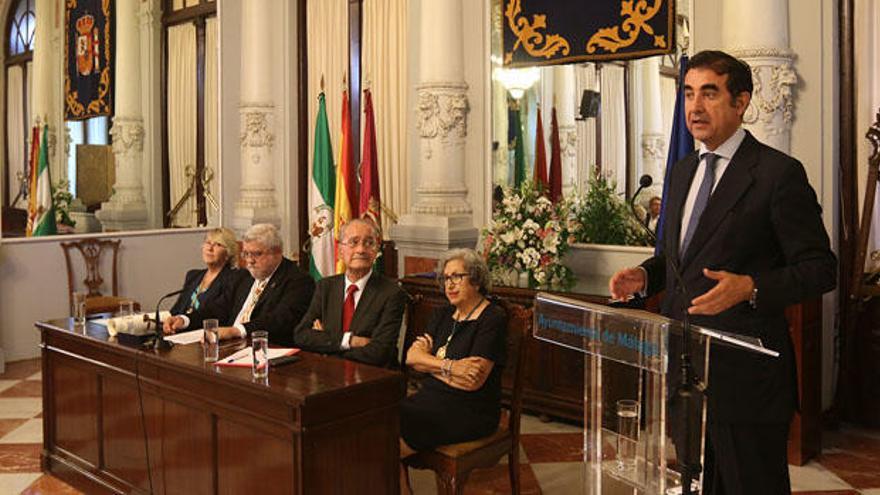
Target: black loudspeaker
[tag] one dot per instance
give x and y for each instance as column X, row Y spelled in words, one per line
column 589, row 104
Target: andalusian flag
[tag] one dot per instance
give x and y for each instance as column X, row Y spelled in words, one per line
column 345, row 207
column 43, row 212
column 321, row 198
column 515, row 143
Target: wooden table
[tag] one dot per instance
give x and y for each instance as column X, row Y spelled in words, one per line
column 118, row 419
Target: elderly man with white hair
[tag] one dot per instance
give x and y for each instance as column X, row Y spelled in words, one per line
column 272, row 296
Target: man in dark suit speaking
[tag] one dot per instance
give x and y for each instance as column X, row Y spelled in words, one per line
column 357, row 314
column 272, row 296
column 745, row 233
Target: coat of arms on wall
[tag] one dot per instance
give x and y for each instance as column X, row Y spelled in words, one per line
column 88, row 78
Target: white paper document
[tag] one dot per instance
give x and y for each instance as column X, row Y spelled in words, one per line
column 184, row 338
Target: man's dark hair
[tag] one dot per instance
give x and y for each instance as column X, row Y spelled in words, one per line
column 739, row 74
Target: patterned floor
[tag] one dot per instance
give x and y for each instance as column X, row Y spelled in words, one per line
column 850, row 462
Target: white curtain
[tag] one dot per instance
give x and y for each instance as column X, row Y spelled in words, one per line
column 212, row 131
column 327, row 31
column 614, row 124
column 384, row 66
column 15, row 137
column 585, row 78
column 182, row 118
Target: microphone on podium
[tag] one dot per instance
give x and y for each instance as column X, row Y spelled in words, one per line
column 159, row 342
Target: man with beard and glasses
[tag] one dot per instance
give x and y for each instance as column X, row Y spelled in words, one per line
column 272, row 295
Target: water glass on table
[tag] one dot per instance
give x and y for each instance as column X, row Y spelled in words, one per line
column 260, row 343
column 79, row 308
column 627, row 434
column 211, row 340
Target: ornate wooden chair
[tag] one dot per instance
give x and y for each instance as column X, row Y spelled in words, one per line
column 91, row 251
column 452, row 464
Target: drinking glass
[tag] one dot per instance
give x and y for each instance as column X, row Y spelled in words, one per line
column 260, row 343
column 627, row 433
column 211, row 340
column 126, row 308
column 79, row 308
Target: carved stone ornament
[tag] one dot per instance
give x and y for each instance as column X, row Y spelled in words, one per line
column 652, row 146
column 128, row 135
column 442, row 110
column 150, row 13
column 256, row 129
column 774, row 79
column 568, row 141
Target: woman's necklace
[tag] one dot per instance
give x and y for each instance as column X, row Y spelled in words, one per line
column 441, row 352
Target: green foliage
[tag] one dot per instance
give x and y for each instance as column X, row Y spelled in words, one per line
column 602, row 217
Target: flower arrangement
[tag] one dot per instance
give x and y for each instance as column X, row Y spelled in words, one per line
column 62, row 198
column 600, row 216
column 526, row 236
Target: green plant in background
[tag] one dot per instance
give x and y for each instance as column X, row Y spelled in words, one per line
column 62, row 198
column 600, row 216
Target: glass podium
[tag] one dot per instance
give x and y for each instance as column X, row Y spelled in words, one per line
column 637, row 426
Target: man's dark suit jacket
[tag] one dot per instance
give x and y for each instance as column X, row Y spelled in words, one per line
column 280, row 307
column 378, row 316
column 762, row 220
column 225, row 281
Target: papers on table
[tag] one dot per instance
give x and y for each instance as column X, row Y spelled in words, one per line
column 245, row 357
column 184, row 338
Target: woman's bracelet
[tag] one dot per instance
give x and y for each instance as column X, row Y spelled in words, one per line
column 446, row 368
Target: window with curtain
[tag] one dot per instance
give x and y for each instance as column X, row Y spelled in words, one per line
column 19, row 53
column 89, row 131
column 190, row 115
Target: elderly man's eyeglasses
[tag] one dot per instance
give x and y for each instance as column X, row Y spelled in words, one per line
column 253, row 254
column 366, row 242
column 453, row 278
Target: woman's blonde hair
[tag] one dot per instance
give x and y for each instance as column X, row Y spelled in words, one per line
column 226, row 238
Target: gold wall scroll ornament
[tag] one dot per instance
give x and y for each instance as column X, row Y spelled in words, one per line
column 635, row 15
column 529, row 36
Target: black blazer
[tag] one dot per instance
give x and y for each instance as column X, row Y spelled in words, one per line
column 226, row 280
column 378, row 315
column 280, row 307
column 762, row 220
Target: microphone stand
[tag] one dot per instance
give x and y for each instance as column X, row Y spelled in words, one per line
column 159, row 342
column 689, row 391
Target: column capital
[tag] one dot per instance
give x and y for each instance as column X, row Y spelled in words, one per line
column 128, row 135
column 442, row 109
column 257, row 129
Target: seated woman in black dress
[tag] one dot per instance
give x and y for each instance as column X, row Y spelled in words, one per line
column 220, row 254
column 463, row 351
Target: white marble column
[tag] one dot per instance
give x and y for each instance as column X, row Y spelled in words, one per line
column 764, row 46
column 441, row 216
column 45, row 102
column 566, row 101
column 652, row 142
column 126, row 209
column 256, row 202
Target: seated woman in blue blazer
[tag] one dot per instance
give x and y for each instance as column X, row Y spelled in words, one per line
column 220, row 255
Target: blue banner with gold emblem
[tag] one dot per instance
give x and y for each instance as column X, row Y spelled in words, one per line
column 552, row 32
column 88, row 78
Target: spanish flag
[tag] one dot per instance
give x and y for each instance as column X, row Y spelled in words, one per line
column 346, row 193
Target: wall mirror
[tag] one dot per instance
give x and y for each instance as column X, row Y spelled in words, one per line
column 176, row 182
column 613, row 117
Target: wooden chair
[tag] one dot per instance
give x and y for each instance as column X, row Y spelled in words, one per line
column 452, row 464
column 91, row 251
